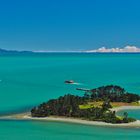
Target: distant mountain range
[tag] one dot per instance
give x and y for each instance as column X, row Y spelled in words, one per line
column 127, row 49
column 4, row 51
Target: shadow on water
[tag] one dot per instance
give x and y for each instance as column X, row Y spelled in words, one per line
column 17, row 111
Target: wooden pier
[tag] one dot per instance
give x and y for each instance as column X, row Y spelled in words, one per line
column 83, row 89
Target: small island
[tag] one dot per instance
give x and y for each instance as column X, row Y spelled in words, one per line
column 95, row 105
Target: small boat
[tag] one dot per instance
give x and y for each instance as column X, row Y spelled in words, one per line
column 69, row 82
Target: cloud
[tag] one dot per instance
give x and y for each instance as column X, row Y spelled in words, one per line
column 127, row 49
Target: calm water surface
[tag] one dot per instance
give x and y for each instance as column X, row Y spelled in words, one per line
column 27, row 80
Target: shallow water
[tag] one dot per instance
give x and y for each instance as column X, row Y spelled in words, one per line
column 27, row 80
column 134, row 113
column 25, row 130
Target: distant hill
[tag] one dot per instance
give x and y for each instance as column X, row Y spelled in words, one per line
column 4, row 51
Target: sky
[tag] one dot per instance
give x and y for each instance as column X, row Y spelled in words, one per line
column 69, row 25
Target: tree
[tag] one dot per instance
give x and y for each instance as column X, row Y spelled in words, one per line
column 125, row 119
column 106, row 105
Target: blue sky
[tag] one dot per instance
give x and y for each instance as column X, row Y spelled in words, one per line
column 69, row 25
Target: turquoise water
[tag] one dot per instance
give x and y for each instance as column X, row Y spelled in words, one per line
column 28, row 130
column 27, row 80
column 134, row 113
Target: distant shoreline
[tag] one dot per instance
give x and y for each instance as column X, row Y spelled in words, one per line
column 27, row 116
column 7, row 51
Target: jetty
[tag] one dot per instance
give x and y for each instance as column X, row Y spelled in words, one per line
column 83, row 89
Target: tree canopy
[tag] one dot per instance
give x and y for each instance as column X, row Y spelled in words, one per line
column 68, row 105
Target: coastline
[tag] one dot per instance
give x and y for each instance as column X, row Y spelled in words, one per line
column 124, row 108
column 27, row 116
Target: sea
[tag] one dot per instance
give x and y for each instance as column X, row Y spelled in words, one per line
column 26, row 80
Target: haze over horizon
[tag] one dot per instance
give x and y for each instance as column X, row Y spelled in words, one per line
column 69, row 25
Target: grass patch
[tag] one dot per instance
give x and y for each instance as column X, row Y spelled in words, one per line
column 135, row 103
column 119, row 104
column 91, row 105
column 120, row 117
column 113, row 104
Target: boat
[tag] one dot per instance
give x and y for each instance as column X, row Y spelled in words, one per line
column 69, row 82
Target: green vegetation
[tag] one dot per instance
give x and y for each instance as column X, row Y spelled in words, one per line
column 94, row 105
column 91, row 104
column 112, row 93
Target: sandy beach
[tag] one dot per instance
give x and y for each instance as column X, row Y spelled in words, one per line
column 124, row 108
column 27, row 116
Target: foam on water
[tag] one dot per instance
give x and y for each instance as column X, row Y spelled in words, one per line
column 77, row 83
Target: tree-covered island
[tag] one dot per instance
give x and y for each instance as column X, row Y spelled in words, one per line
column 94, row 105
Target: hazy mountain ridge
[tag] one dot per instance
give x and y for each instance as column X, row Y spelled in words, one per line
column 4, row 51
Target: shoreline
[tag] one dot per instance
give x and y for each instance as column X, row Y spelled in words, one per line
column 125, row 108
column 27, row 116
